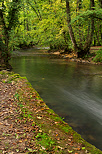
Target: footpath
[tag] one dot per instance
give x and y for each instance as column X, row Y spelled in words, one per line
column 28, row 126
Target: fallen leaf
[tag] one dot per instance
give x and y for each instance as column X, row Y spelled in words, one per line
column 83, row 148
column 17, row 150
column 78, row 149
column 60, row 147
column 56, row 134
column 43, row 148
column 70, row 151
column 39, row 117
column 20, row 141
column 50, row 131
column 69, row 139
column 40, row 131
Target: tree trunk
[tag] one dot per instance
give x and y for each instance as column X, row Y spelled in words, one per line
column 7, row 25
column 100, row 3
column 79, row 6
column 4, row 52
column 88, row 43
column 4, row 56
column 71, row 33
column 81, row 51
column 90, row 37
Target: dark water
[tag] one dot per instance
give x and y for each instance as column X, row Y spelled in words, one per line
column 73, row 91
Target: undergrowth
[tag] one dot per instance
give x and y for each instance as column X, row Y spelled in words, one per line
column 98, row 57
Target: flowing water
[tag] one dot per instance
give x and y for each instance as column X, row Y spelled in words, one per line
column 72, row 90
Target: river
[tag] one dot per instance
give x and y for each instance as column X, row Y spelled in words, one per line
column 72, row 90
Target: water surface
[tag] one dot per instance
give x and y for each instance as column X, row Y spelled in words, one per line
column 73, row 91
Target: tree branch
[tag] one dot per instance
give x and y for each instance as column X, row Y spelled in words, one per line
column 38, row 15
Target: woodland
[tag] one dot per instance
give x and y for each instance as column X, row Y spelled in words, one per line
column 27, row 124
column 69, row 25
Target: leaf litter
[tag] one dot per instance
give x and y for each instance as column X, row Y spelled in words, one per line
column 28, row 126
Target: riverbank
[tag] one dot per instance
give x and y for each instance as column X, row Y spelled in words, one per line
column 27, row 125
column 70, row 57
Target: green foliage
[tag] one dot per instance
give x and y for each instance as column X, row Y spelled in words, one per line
column 88, row 14
column 44, row 23
column 45, row 140
column 98, row 57
column 16, row 96
column 9, row 11
column 41, row 23
column 82, row 21
column 13, row 13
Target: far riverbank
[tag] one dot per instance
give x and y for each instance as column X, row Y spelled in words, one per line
column 70, row 57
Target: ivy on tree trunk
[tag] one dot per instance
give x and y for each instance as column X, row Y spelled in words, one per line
column 8, row 21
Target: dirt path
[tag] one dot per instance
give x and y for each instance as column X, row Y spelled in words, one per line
column 27, row 125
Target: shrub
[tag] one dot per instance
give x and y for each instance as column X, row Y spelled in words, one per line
column 98, row 57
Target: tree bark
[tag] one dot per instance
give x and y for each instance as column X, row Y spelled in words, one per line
column 79, row 6
column 71, row 33
column 100, row 3
column 89, row 40
column 6, row 28
column 81, row 51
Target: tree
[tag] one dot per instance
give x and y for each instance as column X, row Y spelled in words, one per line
column 35, row 10
column 52, row 29
column 8, row 20
column 44, row 23
column 100, row 3
column 81, row 50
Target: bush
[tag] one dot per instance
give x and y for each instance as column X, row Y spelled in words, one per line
column 98, row 57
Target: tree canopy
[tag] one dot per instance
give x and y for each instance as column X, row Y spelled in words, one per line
column 61, row 24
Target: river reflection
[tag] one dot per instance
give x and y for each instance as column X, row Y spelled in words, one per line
column 73, row 91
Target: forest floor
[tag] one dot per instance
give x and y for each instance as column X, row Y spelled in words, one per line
column 28, row 126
